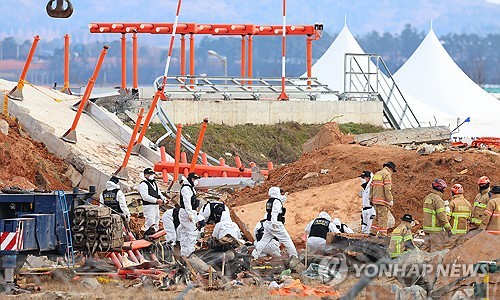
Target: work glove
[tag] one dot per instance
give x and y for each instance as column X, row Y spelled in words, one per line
column 159, row 202
column 391, row 203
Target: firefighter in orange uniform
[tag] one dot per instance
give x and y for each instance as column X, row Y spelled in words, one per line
column 381, row 198
column 436, row 226
column 460, row 211
column 491, row 219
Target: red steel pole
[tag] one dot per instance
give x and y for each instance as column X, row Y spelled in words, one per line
column 250, row 57
column 70, row 135
column 243, row 57
column 159, row 92
column 177, row 154
column 183, row 54
column 198, row 144
column 191, row 57
column 124, row 63
column 65, row 88
column 283, row 95
column 309, row 58
column 17, row 91
column 135, row 67
column 131, row 142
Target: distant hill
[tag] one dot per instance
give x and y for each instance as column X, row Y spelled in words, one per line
column 23, row 18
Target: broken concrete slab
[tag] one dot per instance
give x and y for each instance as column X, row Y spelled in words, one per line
column 420, row 135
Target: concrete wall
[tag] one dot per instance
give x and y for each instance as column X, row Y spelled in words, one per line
column 236, row 112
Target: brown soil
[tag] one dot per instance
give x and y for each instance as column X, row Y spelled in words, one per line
column 344, row 205
column 27, row 164
column 410, row 184
column 329, row 134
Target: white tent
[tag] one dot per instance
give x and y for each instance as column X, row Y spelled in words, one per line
column 432, row 76
column 329, row 69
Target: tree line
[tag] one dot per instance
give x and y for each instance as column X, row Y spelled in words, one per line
column 477, row 56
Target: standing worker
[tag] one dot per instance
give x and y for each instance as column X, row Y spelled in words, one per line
column 491, row 219
column 114, row 198
column 152, row 198
column 460, row 211
column 480, row 202
column 274, row 226
column 435, row 220
column 188, row 215
column 368, row 213
column 381, row 198
column 318, row 229
column 402, row 238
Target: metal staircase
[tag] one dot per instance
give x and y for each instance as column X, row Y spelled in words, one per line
column 364, row 80
column 68, row 243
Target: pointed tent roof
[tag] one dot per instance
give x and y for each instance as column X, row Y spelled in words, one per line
column 432, row 76
column 329, row 69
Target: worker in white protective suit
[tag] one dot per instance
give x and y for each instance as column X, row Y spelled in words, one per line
column 188, row 215
column 171, row 222
column 272, row 248
column 368, row 212
column 152, row 198
column 212, row 211
column 274, row 225
column 342, row 228
column 317, row 230
column 226, row 227
column 114, row 198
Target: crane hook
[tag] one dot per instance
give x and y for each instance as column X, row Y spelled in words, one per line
column 59, row 11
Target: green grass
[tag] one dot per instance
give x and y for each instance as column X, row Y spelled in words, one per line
column 280, row 143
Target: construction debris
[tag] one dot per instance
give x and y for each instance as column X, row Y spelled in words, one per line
column 431, row 135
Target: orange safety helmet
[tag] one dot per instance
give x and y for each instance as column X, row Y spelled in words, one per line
column 483, row 180
column 439, row 185
column 457, row 189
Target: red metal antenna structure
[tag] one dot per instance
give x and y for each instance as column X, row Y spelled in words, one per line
column 283, row 95
column 246, row 31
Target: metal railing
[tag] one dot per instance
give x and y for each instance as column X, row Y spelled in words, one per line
column 240, row 88
column 364, row 80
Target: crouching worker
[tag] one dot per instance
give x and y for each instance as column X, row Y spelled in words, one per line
column 226, row 233
column 317, row 230
column 171, row 222
column 212, row 211
column 274, row 226
column 341, row 227
column 272, row 248
column 402, row 238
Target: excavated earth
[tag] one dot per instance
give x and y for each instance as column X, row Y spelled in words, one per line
column 27, row 164
column 411, row 183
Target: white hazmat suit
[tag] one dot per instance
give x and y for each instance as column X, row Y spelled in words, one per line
column 316, row 243
column 272, row 248
column 169, row 225
column 343, row 228
column 120, row 198
column 226, row 226
column 368, row 212
column 188, row 217
column 150, row 207
column 273, row 228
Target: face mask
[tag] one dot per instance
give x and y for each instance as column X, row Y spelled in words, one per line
column 195, row 182
column 363, row 181
column 412, row 223
column 151, row 177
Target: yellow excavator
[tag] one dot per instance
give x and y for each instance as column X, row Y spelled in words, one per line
column 59, row 8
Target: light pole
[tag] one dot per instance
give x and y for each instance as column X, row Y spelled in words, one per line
column 223, row 59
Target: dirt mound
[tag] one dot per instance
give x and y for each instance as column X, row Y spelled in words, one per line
column 410, row 184
column 340, row 200
column 329, row 134
column 27, row 164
